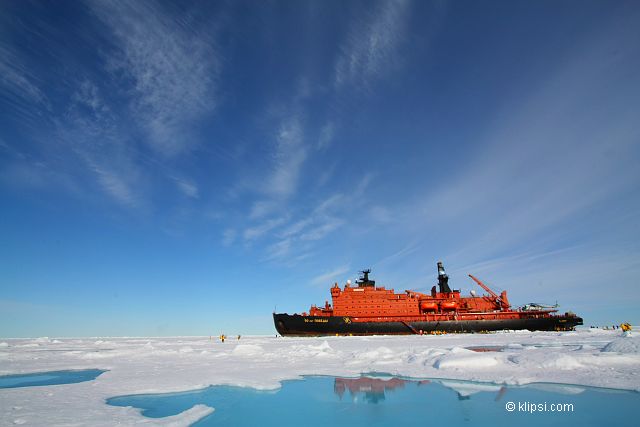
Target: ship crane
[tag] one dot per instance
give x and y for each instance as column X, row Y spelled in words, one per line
column 498, row 299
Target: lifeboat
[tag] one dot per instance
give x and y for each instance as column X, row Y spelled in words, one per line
column 428, row 306
column 448, row 305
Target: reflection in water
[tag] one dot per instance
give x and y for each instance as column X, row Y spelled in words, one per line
column 465, row 389
column 373, row 389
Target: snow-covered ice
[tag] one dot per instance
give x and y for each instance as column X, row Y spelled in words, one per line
column 588, row 357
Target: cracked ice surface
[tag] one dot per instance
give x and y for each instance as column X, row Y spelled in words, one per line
column 153, row 365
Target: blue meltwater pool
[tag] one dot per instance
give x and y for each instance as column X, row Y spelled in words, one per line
column 49, row 378
column 376, row 400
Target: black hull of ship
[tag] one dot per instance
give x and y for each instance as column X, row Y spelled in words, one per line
column 297, row 325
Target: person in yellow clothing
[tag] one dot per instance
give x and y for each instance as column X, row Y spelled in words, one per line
column 625, row 327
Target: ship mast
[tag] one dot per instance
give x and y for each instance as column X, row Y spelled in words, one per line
column 443, row 279
column 364, row 280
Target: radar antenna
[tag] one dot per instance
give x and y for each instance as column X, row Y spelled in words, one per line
column 364, row 280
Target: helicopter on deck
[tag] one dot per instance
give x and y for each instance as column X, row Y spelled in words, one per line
column 534, row 306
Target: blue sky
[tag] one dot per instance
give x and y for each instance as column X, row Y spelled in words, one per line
column 186, row 169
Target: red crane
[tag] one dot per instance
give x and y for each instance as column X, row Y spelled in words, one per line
column 493, row 294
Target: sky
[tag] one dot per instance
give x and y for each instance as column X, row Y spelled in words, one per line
column 187, row 168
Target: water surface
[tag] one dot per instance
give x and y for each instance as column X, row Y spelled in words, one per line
column 49, row 378
column 392, row 401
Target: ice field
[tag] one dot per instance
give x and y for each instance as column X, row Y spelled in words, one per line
column 588, row 357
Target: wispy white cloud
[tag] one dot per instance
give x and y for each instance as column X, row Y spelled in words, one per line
column 89, row 130
column 372, row 43
column 330, row 276
column 327, row 134
column 498, row 263
column 291, row 152
column 116, row 186
column 317, row 223
column 229, row 236
column 187, row 187
column 572, row 276
column 172, row 64
column 325, row 226
column 296, row 228
column 567, row 150
column 331, row 203
column 278, row 188
column 21, row 87
column 253, row 233
column 262, row 208
column 278, row 250
column 26, row 174
column 326, row 173
column 399, row 254
column 380, row 214
column 363, row 184
column 16, row 77
column 324, row 218
column 87, row 94
column 85, row 136
column 540, row 200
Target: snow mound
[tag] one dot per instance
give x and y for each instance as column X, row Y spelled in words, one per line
column 624, row 345
column 247, row 350
column 585, row 347
column 562, row 362
column 322, row 350
column 91, row 356
column 4, row 344
column 322, row 347
column 378, row 353
column 461, row 358
column 188, row 417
